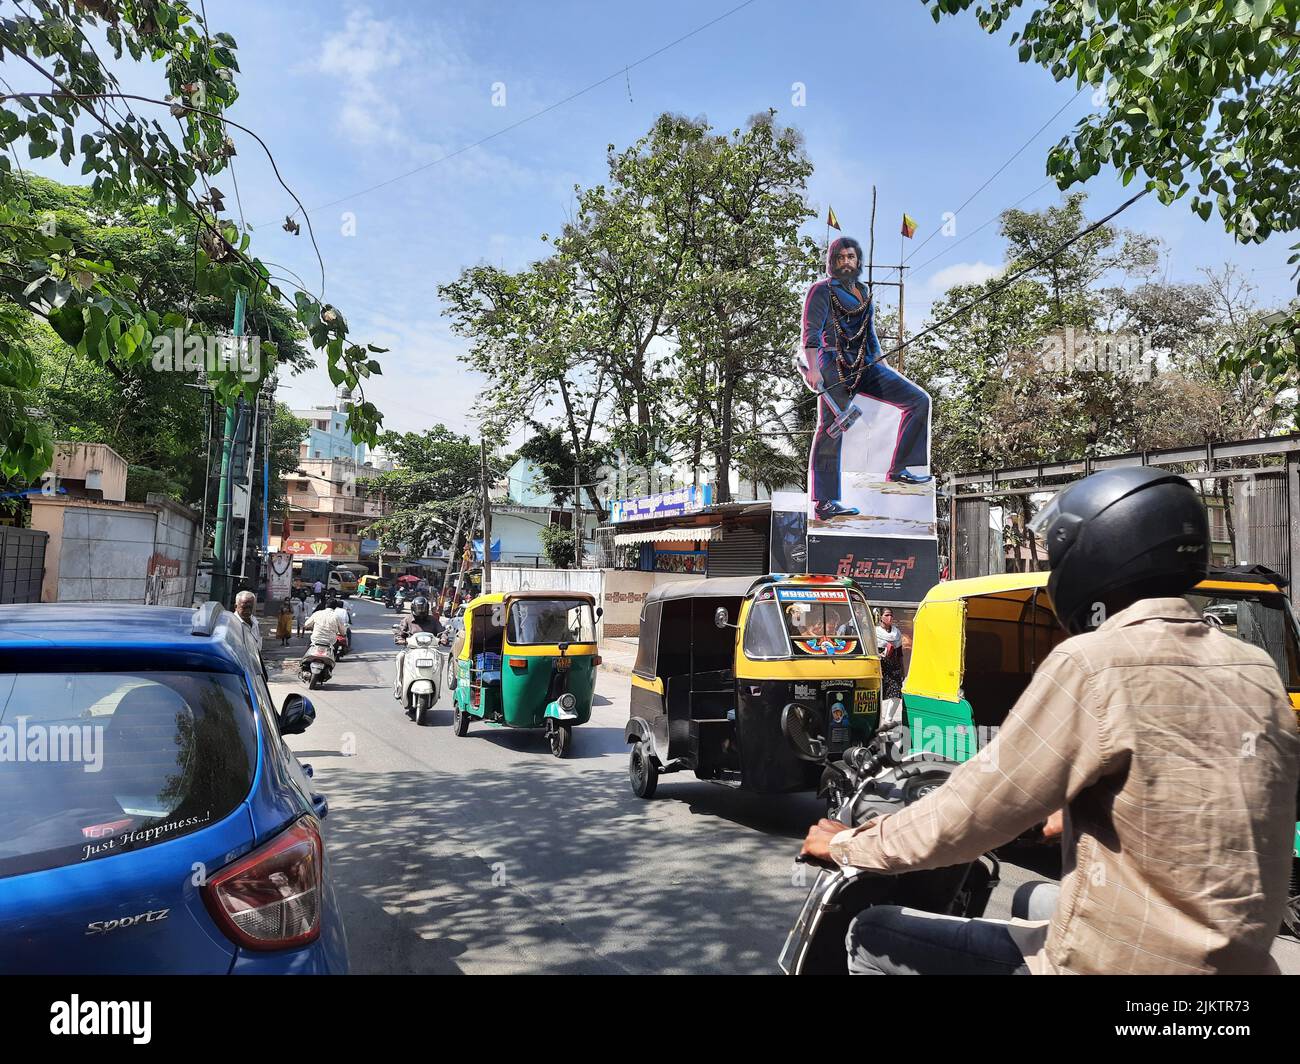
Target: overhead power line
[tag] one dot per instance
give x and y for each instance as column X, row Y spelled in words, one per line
column 619, row 73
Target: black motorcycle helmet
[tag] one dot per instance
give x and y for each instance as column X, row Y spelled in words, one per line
column 1119, row 536
column 420, row 608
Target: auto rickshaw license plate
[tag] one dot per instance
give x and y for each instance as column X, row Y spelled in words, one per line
column 865, row 702
column 562, row 664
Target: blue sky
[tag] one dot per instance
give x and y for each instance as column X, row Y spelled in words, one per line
column 350, row 95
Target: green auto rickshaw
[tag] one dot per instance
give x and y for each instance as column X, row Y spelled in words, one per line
column 527, row 659
column 371, row 586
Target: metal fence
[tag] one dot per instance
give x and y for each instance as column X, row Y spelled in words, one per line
column 22, row 564
column 1264, row 498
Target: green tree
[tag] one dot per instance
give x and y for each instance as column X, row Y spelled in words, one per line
column 558, row 546
column 95, row 303
column 150, row 418
column 1201, row 96
column 437, row 480
column 669, row 308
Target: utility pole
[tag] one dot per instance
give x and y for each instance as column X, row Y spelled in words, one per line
column 451, row 550
column 902, row 332
column 250, row 455
column 487, row 518
column 220, row 565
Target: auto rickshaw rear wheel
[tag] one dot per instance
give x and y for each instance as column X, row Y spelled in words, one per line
column 642, row 771
column 560, row 736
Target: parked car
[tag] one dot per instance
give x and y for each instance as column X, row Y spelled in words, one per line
column 156, row 821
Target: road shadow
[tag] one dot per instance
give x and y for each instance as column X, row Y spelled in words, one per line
column 589, row 740
column 528, row 868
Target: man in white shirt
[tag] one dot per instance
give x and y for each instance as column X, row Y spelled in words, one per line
column 345, row 617
column 324, row 627
column 245, row 604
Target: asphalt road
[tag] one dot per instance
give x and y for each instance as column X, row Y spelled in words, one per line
column 486, row 854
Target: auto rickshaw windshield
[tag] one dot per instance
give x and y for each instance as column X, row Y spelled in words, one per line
column 784, row 623
column 551, row 620
column 1264, row 620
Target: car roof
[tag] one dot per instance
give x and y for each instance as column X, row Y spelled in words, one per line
column 208, row 630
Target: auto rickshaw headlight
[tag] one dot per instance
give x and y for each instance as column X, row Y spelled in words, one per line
column 567, row 702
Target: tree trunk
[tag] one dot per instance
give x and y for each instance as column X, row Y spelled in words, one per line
column 722, row 487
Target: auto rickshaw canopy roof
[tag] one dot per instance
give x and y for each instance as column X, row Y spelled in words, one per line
column 504, row 596
column 734, row 586
column 939, row 650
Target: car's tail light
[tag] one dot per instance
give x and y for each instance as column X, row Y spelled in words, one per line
column 271, row 899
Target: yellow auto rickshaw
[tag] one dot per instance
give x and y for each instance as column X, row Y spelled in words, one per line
column 752, row 681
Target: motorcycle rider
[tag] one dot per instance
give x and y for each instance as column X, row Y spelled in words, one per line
column 324, row 627
column 420, row 619
column 1170, row 747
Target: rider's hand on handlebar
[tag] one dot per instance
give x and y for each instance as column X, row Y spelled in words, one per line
column 817, row 843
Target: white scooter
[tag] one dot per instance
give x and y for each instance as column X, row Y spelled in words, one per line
column 419, row 676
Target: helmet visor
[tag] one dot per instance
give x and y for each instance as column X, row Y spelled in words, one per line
column 1047, row 516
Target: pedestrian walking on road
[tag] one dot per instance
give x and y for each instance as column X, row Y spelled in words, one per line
column 284, row 624
column 299, row 608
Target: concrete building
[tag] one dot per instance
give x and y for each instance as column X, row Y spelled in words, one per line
column 522, row 505
column 327, row 434
column 327, row 508
column 89, row 471
column 326, row 504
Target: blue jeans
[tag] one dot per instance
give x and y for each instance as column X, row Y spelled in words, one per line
column 891, row 940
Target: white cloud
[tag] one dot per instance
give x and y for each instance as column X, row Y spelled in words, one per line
column 961, row 273
column 381, row 69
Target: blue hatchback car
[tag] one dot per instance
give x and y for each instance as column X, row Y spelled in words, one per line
column 152, row 820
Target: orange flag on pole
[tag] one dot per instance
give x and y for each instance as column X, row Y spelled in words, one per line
column 831, row 220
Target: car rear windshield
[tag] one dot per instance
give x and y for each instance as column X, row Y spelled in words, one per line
column 94, row 764
column 1263, row 620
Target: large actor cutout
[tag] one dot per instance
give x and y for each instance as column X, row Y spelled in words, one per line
column 871, row 497
column 869, row 467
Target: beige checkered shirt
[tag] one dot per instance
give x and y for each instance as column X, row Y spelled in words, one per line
column 1174, row 750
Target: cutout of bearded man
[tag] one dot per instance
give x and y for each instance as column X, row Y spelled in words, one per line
column 842, row 354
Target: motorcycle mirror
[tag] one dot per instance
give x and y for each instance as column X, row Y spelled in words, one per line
column 297, row 714
column 797, row 727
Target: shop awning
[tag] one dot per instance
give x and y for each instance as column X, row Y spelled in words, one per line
column 669, row 535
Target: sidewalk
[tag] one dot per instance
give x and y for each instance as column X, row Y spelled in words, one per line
column 276, row 658
column 618, row 653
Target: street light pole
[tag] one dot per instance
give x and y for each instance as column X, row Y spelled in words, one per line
column 220, row 566
column 487, row 518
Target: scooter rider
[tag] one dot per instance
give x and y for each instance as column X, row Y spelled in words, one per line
column 420, row 619
column 1170, row 746
column 324, row 627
